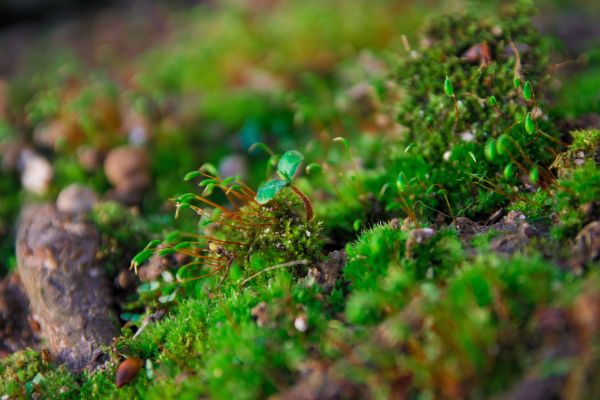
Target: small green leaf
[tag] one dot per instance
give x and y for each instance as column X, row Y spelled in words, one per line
column 529, row 124
column 509, row 171
column 490, row 150
column 313, row 167
column 233, row 187
column 166, row 252
column 492, row 100
column 183, row 245
column 171, row 237
column 448, row 88
column 153, row 244
column 289, row 163
column 229, row 179
column 211, row 169
column 186, row 198
column 142, row 257
column 534, row 175
column 206, row 182
column 267, row 191
column 191, row 175
column 208, row 189
column 357, row 224
column 527, row 91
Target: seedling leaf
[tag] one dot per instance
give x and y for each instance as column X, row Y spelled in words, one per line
column 267, row 191
column 289, row 163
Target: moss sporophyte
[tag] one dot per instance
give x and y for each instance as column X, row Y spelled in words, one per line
column 263, row 222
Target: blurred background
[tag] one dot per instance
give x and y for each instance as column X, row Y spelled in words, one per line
column 124, row 97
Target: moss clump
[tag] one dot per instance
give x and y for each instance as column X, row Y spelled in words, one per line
column 29, row 374
column 466, row 146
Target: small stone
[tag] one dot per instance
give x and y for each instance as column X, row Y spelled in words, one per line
column 37, row 173
column 467, row 136
column 478, row 54
column 89, row 158
column 587, row 245
column 76, row 199
column 301, row 324
column 128, row 169
column 259, row 313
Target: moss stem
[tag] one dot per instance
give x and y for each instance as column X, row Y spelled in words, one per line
column 306, row 200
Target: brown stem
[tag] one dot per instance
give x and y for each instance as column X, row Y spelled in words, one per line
column 306, row 200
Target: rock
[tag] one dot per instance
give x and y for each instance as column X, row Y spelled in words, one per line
column 50, row 134
column 478, row 54
column 417, row 237
column 510, row 243
column 326, row 273
column 587, row 245
column 16, row 331
column 128, row 169
column 36, row 172
column 10, row 152
column 76, row 199
column 68, row 292
column 89, row 158
column 260, row 315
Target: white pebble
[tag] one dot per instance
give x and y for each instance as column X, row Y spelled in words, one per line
column 301, row 324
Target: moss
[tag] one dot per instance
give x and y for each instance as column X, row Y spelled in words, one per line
column 18, row 371
column 416, row 312
column 575, row 197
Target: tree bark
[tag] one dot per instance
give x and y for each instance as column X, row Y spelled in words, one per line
column 68, row 291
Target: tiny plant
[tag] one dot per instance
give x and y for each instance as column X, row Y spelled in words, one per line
column 286, row 169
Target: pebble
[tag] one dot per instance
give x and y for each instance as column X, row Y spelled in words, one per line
column 37, row 173
column 76, row 199
column 128, row 169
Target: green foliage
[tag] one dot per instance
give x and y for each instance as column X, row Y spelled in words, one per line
column 416, row 311
column 456, row 147
column 267, row 191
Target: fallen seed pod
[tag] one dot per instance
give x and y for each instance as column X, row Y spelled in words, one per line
column 128, row 370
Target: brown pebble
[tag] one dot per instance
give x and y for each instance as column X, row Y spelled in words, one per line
column 128, row 370
column 128, row 169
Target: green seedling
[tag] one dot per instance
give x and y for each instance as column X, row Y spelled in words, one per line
column 286, row 169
